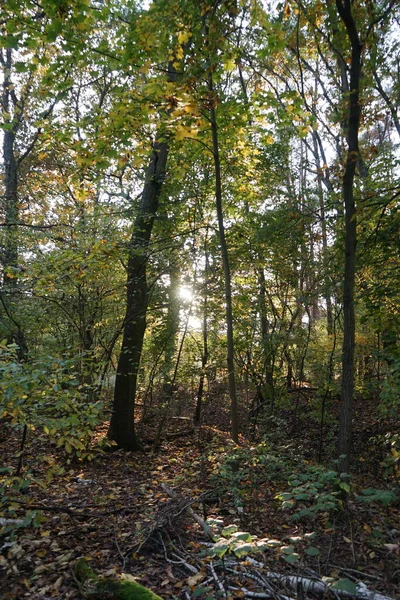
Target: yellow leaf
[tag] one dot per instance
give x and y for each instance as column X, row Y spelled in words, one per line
column 184, row 36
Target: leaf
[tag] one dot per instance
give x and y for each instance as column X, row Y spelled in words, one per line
column 244, row 549
column 274, row 543
column 312, row 551
column 124, row 576
column 346, row 585
column 229, row 530
column 244, row 536
column 291, row 558
column 344, row 486
column 220, row 548
column 195, row 579
column 21, row 67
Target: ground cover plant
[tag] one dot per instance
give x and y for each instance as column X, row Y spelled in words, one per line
column 263, row 508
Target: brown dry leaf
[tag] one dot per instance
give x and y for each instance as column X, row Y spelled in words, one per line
column 3, row 562
column 58, row 583
column 392, row 547
column 40, row 569
column 15, row 551
column 111, row 572
column 170, row 573
column 194, row 579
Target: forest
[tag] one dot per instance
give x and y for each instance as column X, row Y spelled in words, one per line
column 200, row 299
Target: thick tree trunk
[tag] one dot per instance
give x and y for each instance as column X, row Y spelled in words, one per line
column 353, row 155
column 226, row 265
column 122, row 425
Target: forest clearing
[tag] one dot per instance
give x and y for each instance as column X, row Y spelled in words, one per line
column 200, row 299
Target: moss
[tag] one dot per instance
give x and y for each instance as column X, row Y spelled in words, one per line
column 127, row 590
column 83, row 571
column 108, row 589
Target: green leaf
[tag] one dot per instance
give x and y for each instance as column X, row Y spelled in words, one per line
column 291, row 558
column 346, row 585
column 220, row 548
column 312, row 551
column 229, row 530
column 21, row 67
column 345, row 486
column 245, row 536
column 10, row 41
column 244, row 549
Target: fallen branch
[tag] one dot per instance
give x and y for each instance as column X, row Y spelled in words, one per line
column 316, row 586
column 206, row 528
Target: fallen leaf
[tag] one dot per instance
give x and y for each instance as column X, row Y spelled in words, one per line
column 195, row 579
column 128, row 577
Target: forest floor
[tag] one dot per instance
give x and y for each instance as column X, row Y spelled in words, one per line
column 115, row 512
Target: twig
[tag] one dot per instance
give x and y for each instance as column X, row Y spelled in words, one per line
column 216, row 579
column 356, row 572
column 250, row 594
column 188, row 566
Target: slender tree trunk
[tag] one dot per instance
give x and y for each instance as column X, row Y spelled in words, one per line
column 10, row 207
column 172, row 329
column 204, row 358
column 122, row 425
column 265, row 336
column 325, row 262
column 353, row 155
column 225, row 263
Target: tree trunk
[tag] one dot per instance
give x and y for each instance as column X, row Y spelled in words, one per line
column 353, row 155
column 171, row 332
column 122, row 425
column 10, row 207
column 204, row 358
column 226, row 265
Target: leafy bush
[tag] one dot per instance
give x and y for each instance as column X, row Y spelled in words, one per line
column 313, row 492
column 244, row 469
column 385, row 497
column 46, row 395
column 390, row 392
